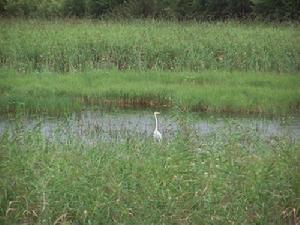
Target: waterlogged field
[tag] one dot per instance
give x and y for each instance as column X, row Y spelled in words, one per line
column 233, row 175
column 84, row 171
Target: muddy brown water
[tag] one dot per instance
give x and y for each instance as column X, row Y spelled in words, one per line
column 95, row 126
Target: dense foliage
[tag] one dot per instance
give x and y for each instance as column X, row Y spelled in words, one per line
column 175, row 9
column 81, row 45
column 232, row 176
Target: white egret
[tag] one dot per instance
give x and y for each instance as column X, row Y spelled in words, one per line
column 156, row 134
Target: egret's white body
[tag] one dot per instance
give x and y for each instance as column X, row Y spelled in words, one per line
column 156, row 134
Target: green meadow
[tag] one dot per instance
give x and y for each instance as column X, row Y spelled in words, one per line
column 230, row 176
column 206, row 91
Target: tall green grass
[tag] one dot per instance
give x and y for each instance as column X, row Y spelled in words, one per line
column 74, row 45
column 209, row 91
column 232, row 177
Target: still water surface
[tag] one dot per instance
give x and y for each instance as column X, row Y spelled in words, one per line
column 95, row 126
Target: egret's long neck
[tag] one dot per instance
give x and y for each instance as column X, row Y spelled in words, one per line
column 156, row 123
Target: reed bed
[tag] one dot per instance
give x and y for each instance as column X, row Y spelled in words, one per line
column 78, row 45
column 229, row 177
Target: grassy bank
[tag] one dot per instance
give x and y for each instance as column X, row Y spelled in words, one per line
column 81, row 44
column 232, row 177
column 208, row 91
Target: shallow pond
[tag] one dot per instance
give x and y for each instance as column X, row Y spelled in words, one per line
column 94, row 126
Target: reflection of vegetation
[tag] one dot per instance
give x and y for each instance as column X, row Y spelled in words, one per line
column 217, row 91
column 230, row 177
column 77, row 45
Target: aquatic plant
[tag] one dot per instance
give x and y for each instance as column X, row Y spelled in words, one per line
column 232, row 176
column 77, row 45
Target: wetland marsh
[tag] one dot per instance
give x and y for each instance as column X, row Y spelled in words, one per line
column 77, row 99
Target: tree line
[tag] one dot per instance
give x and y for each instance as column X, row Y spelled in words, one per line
column 166, row 9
